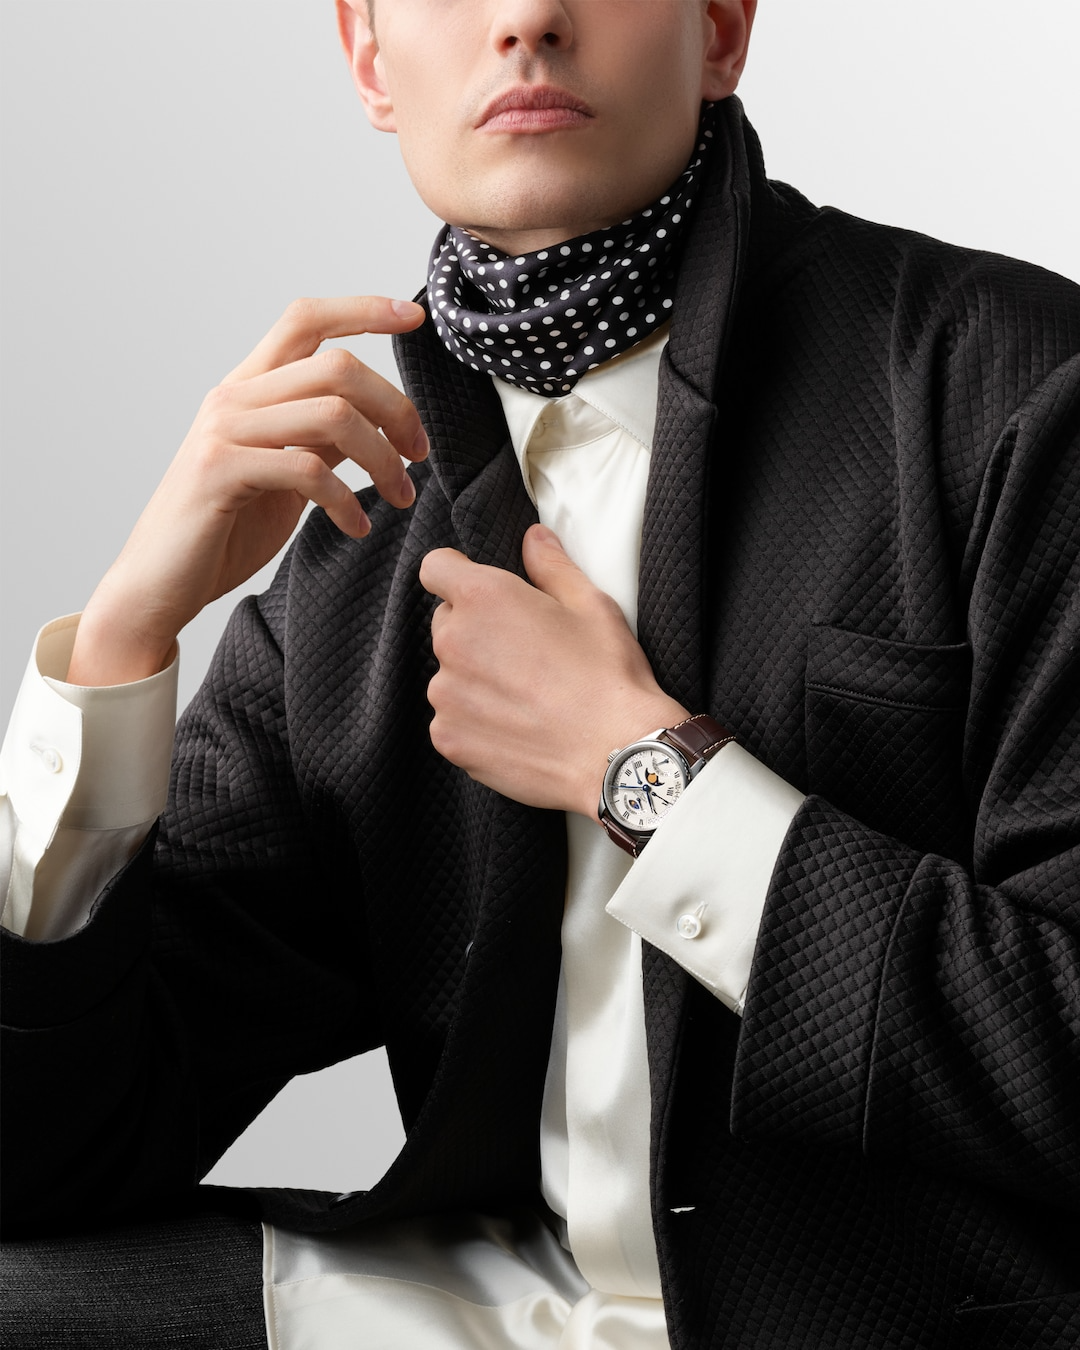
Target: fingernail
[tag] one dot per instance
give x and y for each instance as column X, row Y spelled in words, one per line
column 408, row 492
column 421, row 445
column 364, row 524
column 543, row 534
column 405, row 309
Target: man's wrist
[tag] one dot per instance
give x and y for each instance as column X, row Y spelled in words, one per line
column 110, row 650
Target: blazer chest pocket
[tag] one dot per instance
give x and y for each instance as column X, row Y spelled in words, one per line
column 884, row 734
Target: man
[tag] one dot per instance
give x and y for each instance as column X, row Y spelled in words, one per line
column 864, row 567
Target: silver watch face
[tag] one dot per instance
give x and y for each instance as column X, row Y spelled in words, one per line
column 642, row 784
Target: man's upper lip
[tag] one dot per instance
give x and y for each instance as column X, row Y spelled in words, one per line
column 529, row 96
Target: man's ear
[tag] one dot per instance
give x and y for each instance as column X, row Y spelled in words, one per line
column 728, row 24
column 365, row 62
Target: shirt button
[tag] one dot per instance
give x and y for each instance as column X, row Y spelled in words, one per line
column 688, row 926
column 49, row 757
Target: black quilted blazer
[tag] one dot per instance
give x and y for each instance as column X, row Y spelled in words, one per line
column 860, row 553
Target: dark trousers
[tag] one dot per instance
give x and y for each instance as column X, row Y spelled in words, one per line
column 194, row 1281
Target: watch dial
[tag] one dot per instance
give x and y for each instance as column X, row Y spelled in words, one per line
column 643, row 785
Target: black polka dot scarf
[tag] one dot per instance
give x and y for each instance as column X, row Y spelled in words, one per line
column 543, row 319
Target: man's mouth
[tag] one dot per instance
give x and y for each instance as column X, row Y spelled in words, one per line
column 534, row 108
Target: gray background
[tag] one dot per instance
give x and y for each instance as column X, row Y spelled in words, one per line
column 175, row 171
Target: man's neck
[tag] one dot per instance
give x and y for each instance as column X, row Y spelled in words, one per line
column 531, row 239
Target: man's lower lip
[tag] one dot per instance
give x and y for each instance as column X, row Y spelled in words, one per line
column 535, row 119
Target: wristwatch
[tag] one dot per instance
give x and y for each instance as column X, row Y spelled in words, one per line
column 645, row 780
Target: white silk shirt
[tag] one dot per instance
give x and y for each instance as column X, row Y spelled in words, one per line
column 466, row 1280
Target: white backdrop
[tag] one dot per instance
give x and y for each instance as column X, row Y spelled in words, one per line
column 175, row 171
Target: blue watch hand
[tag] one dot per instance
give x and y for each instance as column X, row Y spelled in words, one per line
column 648, row 793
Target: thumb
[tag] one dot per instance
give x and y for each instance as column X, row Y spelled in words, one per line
column 550, row 568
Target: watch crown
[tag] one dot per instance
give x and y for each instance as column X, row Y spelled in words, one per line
column 612, row 755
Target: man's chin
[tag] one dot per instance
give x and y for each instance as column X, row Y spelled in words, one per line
column 528, row 218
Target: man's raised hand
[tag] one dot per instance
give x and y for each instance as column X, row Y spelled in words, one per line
column 536, row 684
column 265, row 443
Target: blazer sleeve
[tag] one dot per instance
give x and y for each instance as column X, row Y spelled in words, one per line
column 926, row 1008
column 218, row 964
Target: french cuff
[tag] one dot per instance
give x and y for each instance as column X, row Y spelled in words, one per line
column 698, row 890
column 95, row 759
column 77, row 764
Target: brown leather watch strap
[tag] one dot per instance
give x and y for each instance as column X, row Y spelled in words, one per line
column 698, row 737
column 632, row 843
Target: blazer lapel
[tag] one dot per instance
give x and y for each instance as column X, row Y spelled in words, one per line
column 674, row 538
column 674, row 548
column 472, row 458
column 486, row 1098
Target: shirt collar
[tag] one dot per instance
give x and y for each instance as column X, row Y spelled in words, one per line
column 624, row 390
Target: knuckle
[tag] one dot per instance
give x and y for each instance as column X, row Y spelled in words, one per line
column 445, row 740
column 447, row 645
column 336, row 412
column 309, row 468
column 337, row 363
column 212, row 461
column 435, row 730
column 436, row 691
column 606, row 607
column 442, row 630
column 431, row 562
column 218, row 399
column 302, row 312
column 215, row 430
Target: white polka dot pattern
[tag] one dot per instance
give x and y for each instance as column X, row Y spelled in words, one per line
column 543, row 319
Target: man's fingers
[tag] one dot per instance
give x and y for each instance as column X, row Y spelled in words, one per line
column 331, row 423
column 303, row 471
column 551, row 569
column 309, row 322
column 445, row 571
column 452, row 576
column 331, row 372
